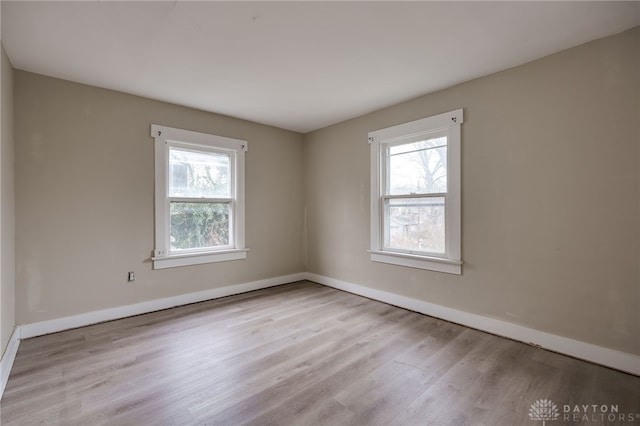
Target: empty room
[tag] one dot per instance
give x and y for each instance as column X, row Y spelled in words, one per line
column 320, row 213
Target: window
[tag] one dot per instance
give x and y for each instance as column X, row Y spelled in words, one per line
column 199, row 198
column 415, row 194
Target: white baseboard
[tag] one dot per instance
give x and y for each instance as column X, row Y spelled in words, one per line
column 7, row 359
column 612, row 358
column 81, row 320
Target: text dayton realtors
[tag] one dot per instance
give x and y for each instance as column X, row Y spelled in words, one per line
column 595, row 412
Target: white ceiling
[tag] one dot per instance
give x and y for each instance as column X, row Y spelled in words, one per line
column 294, row 65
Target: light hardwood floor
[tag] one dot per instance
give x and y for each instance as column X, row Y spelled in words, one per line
column 298, row 354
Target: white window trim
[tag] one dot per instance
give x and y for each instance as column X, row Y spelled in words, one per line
column 452, row 262
column 164, row 137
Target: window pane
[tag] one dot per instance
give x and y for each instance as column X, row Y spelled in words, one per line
column 416, row 224
column 199, row 174
column 418, row 167
column 199, row 225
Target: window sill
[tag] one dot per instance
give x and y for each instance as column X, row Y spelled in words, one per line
column 175, row 260
column 421, row 262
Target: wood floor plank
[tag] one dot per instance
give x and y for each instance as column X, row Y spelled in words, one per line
column 298, row 354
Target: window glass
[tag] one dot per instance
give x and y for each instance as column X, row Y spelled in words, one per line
column 199, row 225
column 418, row 167
column 199, row 174
column 416, row 224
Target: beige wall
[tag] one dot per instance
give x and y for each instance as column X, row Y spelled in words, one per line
column 84, row 199
column 7, row 204
column 551, row 206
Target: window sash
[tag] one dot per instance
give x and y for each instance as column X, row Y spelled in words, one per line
column 385, row 225
column 192, row 147
column 229, row 201
column 386, row 196
column 385, row 156
column 185, row 146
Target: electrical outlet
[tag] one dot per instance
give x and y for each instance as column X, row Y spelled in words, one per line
column 132, row 276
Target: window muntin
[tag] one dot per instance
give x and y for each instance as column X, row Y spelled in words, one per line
column 415, row 193
column 199, row 197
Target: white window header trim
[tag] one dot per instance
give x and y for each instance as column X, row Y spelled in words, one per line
column 414, row 128
column 189, row 137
